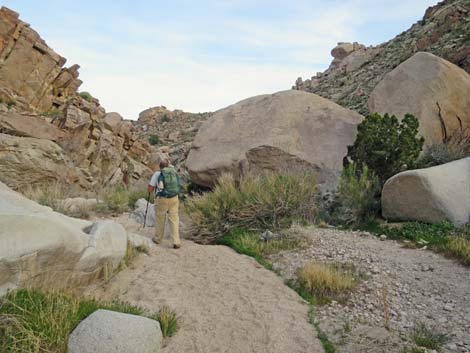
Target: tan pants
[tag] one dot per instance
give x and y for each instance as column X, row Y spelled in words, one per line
column 162, row 207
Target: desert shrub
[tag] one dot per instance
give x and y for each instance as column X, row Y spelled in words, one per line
column 49, row 195
column 457, row 146
column 120, row 198
column 165, row 118
column 168, row 321
column 117, row 199
column 424, row 336
column 86, row 96
column 357, row 197
column 37, row 322
column 324, row 281
column 269, row 201
column 154, row 140
column 386, row 145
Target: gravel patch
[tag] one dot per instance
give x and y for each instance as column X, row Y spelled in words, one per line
column 400, row 287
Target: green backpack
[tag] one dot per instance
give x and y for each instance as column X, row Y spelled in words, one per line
column 171, row 182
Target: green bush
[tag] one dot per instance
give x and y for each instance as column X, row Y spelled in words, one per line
column 386, row 145
column 357, row 198
column 457, row 146
column 269, row 201
column 154, row 140
column 86, row 96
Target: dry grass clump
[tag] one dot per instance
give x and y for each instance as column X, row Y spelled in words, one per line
column 326, row 281
column 48, row 195
column 120, row 198
column 454, row 147
column 168, row 321
column 460, row 247
column 270, row 201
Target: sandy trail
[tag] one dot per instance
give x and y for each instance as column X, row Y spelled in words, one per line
column 227, row 302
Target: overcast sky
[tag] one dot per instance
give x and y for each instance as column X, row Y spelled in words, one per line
column 204, row 55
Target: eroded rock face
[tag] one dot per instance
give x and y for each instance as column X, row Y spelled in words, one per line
column 31, row 73
column 283, row 131
column 48, row 127
column 429, row 195
column 434, row 90
column 26, row 161
column 40, row 247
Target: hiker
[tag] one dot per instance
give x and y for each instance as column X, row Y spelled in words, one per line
column 166, row 185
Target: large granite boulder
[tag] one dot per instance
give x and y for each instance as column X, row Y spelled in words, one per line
column 283, row 131
column 434, row 90
column 429, row 195
column 107, row 331
column 40, row 247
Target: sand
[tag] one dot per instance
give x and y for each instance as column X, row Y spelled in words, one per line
column 226, row 302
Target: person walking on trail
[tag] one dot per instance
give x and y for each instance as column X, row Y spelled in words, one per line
column 166, row 185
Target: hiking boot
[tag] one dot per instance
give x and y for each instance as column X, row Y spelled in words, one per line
column 155, row 240
column 176, row 246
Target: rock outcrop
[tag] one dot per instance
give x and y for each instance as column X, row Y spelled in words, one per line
column 40, row 247
column 277, row 132
column 356, row 70
column 173, row 133
column 31, row 73
column 434, row 90
column 40, row 108
column 107, row 331
column 429, row 195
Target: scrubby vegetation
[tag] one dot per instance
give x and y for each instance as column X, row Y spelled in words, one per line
column 442, row 237
column 457, row 146
column 86, row 96
column 255, row 203
column 251, row 244
column 322, row 282
column 36, row 322
column 423, row 336
column 154, row 140
column 386, row 145
column 112, row 199
column 357, row 199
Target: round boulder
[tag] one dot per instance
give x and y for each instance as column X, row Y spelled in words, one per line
column 107, row 331
column 283, row 131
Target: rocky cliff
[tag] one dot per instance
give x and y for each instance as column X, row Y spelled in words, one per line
column 356, row 69
column 48, row 131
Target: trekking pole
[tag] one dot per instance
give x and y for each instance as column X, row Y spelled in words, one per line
column 146, row 209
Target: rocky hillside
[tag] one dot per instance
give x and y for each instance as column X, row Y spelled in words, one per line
column 356, row 70
column 48, row 131
column 171, row 132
